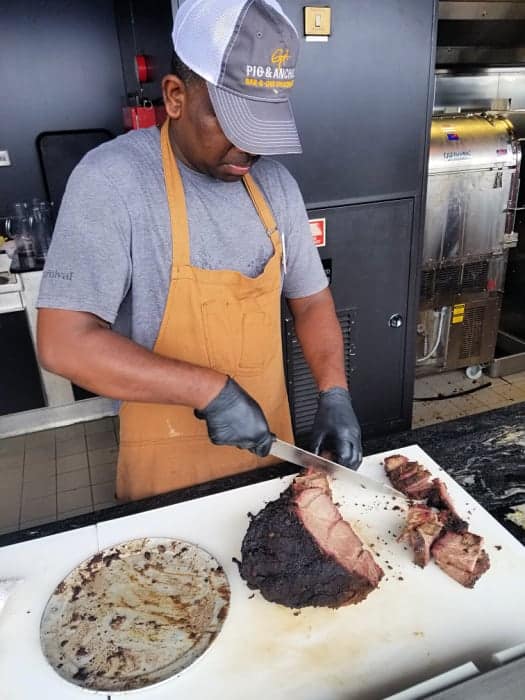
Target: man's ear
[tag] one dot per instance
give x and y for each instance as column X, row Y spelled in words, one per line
column 174, row 95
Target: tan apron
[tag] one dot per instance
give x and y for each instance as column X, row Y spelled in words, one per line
column 213, row 318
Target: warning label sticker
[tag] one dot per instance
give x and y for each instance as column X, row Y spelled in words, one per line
column 318, row 230
column 458, row 313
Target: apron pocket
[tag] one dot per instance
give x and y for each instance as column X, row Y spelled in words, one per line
column 218, row 337
column 255, row 342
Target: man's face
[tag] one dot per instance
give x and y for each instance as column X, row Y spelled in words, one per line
column 198, row 139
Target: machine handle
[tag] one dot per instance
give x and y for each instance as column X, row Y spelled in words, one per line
column 510, row 209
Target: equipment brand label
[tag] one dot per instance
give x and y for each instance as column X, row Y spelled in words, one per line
column 457, row 155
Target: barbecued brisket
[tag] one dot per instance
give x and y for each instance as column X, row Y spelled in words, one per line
column 408, row 477
column 298, row 551
column 460, row 556
column 414, row 481
column 422, row 528
column 436, row 528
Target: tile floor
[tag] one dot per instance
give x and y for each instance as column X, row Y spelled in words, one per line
column 501, row 392
column 56, row 474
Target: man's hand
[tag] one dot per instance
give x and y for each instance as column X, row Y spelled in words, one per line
column 234, row 418
column 336, row 429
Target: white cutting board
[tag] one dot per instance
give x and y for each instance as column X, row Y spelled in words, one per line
column 24, row 671
column 405, row 632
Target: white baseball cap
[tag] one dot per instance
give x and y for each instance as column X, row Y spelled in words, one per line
column 246, row 50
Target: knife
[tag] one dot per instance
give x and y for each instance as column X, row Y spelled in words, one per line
column 302, row 458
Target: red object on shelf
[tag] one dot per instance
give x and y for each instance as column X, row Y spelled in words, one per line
column 141, row 117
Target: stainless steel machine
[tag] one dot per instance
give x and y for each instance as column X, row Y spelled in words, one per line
column 473, row 185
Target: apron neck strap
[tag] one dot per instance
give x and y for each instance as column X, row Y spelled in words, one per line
column 260, row 204
column 176, row 201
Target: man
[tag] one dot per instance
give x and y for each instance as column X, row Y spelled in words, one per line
column 162, row 286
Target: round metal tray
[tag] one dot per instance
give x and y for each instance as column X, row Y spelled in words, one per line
column 134, row 614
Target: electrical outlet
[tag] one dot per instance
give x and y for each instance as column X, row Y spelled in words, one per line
column 4, row 158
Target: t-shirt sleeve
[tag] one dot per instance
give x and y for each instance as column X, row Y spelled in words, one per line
column 88, row 266
column 304, row 274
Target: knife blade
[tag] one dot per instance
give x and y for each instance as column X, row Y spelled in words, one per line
column 302, row 458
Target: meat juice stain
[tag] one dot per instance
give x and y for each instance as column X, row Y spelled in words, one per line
column 312, row 655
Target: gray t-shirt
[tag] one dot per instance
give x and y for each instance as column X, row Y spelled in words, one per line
column 111, row 252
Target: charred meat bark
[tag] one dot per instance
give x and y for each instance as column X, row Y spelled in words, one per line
column 422, row 529
column 439, row 498
column 461, row 556
column 298, row 551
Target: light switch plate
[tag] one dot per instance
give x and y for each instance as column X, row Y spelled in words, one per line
column 317, row 21
column 4, row 158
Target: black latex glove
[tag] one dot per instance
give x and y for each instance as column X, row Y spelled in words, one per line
column 336, row 429
column 234, row 418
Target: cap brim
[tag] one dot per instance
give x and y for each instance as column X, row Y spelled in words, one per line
column 259, row 127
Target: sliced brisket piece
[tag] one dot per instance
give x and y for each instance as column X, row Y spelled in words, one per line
column 394, row 462
column 298, row 551
column 460, row 556
column 422, row 528
column 439, row 497
column 435, row 528
column 408, row 477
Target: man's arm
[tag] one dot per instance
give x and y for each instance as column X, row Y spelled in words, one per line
column 336, row 428
column 319, row 333
column 81, row 347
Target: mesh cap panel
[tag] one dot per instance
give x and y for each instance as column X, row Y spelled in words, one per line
column 203, row 29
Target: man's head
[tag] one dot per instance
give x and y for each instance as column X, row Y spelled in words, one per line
column 196, row 135
column 227, row 96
